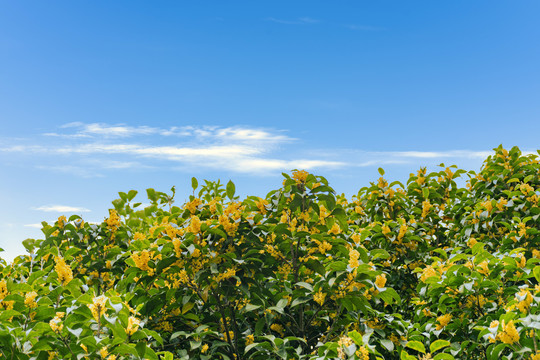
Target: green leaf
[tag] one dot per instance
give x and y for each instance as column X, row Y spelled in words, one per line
column 536, row 272
column 131, row 194
column 388, row 344
column 405, row 356
column 438, row 344
column 194, row 183
column 443, row 356
column 416, row 345
column 425, row 193
column 231, row 189
column 381, row 171
column 356, row 337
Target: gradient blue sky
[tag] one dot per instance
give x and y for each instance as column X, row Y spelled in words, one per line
column 98, row 97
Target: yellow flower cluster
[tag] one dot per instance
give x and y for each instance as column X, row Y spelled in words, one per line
column 30, row 299
column 3, row 289
column 141, row 260
column 380, row 280
column 354, row 255
column 426, row 206
column 133, row 325
column 335, row 229
column 261, row 205
column 300, row 176
column 362, row 353
column 319, row 297
column 277, row 328
column 65, row 275
column 524, row 299
column 194, row 225
column 56, row 323
column 443, row 321
column 250, row 339
column 113, row 222
column 62, row 221
column 226, row 275
column 193, row 205
column 509, row 333
column 98, row 306
column 324, row 247
column 229, row 225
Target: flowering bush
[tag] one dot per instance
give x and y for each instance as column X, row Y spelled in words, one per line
column 422, row 270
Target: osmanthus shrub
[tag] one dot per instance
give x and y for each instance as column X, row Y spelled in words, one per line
column 422, row 270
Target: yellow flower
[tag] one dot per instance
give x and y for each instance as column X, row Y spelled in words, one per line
column 380, row 281
column 56, row 324
column 425, row 208
column 29, row 299
column 385, row 230
column 141, row 259
column 113, row 222
column 3, row 289
column 250, row 339
column 354, row 255
column 443, row 321
column 277, row 328
column 300, row 176
column 362, row 353
column 319, row 297
column 261, row 205
column 335, row 229
column 98, row 306
column 111, row 357
column 484, row 268
column 509, row 333
column 324, row 247
column 428, row 272
column 62, row 221
column 133, row 325
column 524, row 299
column 65, row 275
column 204, row 348
column 104, row 352
column 522, row 261
column 195, row 225
column 52, row 355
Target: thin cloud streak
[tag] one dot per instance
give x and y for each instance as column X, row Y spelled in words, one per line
column 299, row 21
column 60, row 208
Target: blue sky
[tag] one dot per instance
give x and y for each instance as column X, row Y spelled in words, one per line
column 98, row 97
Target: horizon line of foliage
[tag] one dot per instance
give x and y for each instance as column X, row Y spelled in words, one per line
column 421, row 270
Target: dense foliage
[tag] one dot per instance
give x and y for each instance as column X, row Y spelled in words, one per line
column 422, row 270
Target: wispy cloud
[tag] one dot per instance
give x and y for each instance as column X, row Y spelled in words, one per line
column 35, row 226
column 254, row 151
column 61, row 209
column 298, row 21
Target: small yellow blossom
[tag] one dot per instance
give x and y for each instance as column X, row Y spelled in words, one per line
column 30, row 299
column 65, row 275
column 98, row 306
column 300, row 176
column 380, row 281
column 133, row 325
column 509, row 333
column 443, row 321
column 319, row 297
column 250, row 339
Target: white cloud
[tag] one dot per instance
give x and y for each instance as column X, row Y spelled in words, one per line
column 442, row 154
column 298, row 21
column 61, row 208
column 35, row 226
